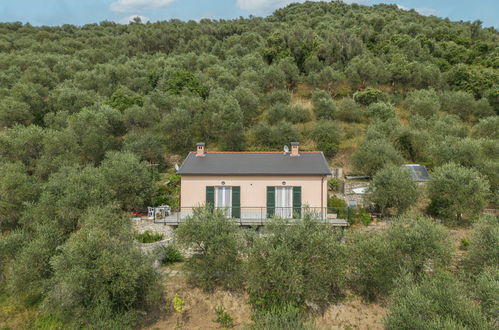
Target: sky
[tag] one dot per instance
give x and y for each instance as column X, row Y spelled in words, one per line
column 80, row 12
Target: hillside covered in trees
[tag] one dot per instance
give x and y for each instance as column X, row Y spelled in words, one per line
column 85, row 111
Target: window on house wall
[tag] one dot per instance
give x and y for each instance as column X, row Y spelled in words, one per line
column 223, row 198
column 284, row 202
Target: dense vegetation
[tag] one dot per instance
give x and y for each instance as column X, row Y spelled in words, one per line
column 89, row 116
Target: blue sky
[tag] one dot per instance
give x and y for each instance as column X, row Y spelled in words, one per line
column 79, row 12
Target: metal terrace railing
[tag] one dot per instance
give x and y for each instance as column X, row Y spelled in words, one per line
column 254, row 216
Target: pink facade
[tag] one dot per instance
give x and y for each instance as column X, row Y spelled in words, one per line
column 253, row 188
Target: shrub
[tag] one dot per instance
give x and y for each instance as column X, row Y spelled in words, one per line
column 408, row 246
column 392, row 186
column 483, row 246
column 373, row 267
column 324, row 105
column 275, row 136
column 423, row 102
column 216, row 241
column 326, row 135
column 370, row 96
column 293, row 114
column 101, row 279
column 373, row 155
column 455, row 191
column 439, row 301
column 381, row 110
column 349, row 110
column 485, row 289
column 169, row 254
column 296, row 264
column 279, row 96
column 288, row 317
column 333, row 184
column 464, row 105
column 149, row 237
column 487, row 128
column 223, row 318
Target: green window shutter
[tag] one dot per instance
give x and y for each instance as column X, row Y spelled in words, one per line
column 270, row 202
column 296, row 202
column 236, row 202
column 210, row 197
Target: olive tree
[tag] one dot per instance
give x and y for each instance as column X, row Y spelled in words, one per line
column 101, row 278
column 424, row 102
column 439, row 301
column 294, row 264
column 216, row 241
column 484, row 245
column 375, row 154
column 456, row 191
column 409, row 246
column 381, row 110
column 393, row 186
column 326, row 135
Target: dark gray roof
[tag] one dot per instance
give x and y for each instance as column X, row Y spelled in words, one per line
column 255, row 163
column 418, row 172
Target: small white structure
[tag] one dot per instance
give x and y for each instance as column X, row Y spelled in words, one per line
column 159, row 212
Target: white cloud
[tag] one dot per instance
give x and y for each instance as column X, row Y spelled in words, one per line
column 427, row 11
column 127, row 6
column 128, row 19
column 402, row 7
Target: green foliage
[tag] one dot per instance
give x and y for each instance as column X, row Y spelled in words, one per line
column 410, row 245
column 349, row 110
column 169, row 254
column 148, row 237
column 487, row 128
column 439, row 301
column 456, row 191
column 392, row 186
column 94, row 95
column 375, row 154
column 464, row 105
column 296, row 264
column 128, row 178
column 17, row 189
column 423, row 102
column 370, row 96
column 293, row 114
column 169, row 194
column 380, row 110
column 216, row 241
column 333, row 184
column 184, row 80
column 324, row 106
column 122, row 99
column 326, row 135
column 14, row 112
column 485, row 289
column 275, row 136
column 223, row 318
column 100, row 277
column 287, row 317
column 484, row 245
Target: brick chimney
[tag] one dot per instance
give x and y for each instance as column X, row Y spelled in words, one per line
column 200, row 149
column 295, row 146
